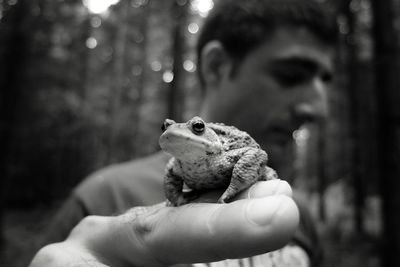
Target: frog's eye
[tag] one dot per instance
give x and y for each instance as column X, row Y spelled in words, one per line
column 198, row 127
column 166, row 124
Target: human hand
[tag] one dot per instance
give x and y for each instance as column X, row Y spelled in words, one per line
column 263, row 219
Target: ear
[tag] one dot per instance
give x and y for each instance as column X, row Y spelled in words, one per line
column 215, row 63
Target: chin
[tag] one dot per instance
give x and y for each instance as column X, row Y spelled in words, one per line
column 273, row 150
column 280, row 159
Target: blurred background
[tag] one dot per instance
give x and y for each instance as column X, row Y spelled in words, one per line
column 87, row 83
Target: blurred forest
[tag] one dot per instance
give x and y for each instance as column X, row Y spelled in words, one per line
column 82, row 88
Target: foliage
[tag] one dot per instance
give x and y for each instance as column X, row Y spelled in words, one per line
column 81, row 90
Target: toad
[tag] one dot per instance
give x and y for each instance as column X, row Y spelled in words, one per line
column 210, row 156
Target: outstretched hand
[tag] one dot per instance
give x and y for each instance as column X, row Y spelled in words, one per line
column 263, row 218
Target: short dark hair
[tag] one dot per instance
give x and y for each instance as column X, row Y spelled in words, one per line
column 242, row 25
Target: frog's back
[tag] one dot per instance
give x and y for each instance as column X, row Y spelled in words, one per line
column 233, row 138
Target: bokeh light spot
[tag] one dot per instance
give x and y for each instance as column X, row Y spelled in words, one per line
column 95, row 22
column 202, row 7
column 156, row 65
column 99, row 6
column 193, row 28
column 189, row 65
column 91, row 42
column 168, row 76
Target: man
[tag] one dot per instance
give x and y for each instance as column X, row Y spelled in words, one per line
column 265, row 66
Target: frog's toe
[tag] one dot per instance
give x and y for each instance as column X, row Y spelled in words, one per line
column 191, row 195
column 223, row 200
column 168, row 203
column 181, row 201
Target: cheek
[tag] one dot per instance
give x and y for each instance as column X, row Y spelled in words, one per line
column 248, row 103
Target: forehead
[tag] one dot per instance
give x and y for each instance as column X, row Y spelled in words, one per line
column 294, row 43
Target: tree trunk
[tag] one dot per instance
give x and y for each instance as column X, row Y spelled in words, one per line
column 175, row 96
column 387, row 58
column 357, row 96
column 143, row 29
column 15, row 41
column 118, row 83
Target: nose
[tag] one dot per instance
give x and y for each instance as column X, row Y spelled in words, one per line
column 311, row 104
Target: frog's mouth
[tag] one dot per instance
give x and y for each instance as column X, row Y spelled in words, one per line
column 184, row 145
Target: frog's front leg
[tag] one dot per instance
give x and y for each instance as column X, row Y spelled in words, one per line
column 247, row 171
column 173, row 186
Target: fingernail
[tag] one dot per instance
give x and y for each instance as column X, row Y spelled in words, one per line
column 269, row 188
column 272, row 187
column 277, row 186
column 282, row 187
column 261, row 211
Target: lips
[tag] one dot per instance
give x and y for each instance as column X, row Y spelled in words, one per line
column 279, row 135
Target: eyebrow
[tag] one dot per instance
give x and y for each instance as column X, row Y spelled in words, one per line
column 301, row 62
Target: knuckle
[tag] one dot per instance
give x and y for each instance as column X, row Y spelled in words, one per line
column 144, row 232
column 91, row 221
column 89, row 224
column 46, row 256
column 142, row 225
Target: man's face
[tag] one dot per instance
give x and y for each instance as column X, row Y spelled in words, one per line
column 277, row 87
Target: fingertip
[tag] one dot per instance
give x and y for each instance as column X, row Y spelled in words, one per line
column 277, row 211
column 285, row 220
column 277, row 216
column 262, row 225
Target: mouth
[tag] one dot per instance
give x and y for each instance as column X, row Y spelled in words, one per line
column 176, row 143
column 280, row 135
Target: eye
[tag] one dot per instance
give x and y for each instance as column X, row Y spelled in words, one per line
column 166, row 124
column 198, row 127
column 327, row 77
column 294, row 71
column 292, row 77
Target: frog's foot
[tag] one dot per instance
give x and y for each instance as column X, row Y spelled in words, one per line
column 249, row 169
column 269, row 174
column 184, row 198
column 228, row 195
column 191, row 195
column 168, row 203
column 221, row 200
column 179, row 201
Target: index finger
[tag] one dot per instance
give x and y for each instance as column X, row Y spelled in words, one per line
column 212, row 232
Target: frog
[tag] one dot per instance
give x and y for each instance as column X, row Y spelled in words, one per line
column 207, row 156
